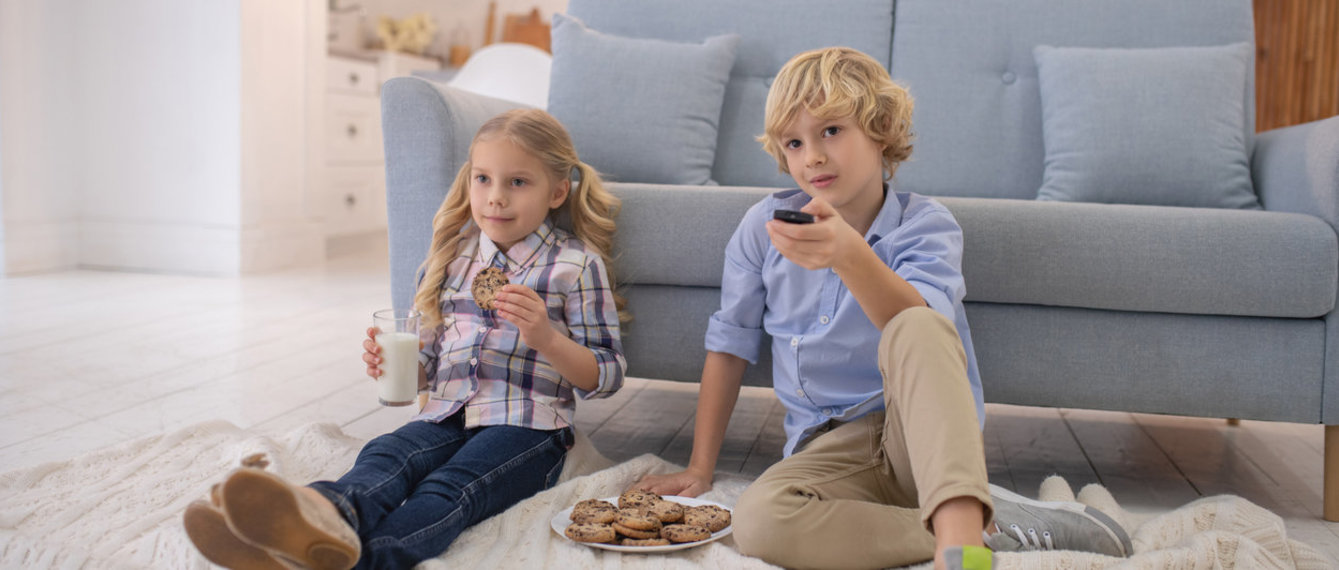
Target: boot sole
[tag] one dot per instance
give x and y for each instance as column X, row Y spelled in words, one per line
column 208, row 530
column 266, row 511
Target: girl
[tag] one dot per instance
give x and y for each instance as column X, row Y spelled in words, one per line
column 501, row 383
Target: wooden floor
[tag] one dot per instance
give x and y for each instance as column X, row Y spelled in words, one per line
column 89, row 359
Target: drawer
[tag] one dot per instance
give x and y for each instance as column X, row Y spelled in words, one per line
column 355, row 199
column 353, row 128
column 351, row 76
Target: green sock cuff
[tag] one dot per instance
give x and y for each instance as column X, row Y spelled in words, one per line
column 976, row 558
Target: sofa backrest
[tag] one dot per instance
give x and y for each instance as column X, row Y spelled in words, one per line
column 969, row 65
column 770, row 33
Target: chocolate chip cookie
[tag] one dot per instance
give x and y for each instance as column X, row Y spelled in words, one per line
column 486, row 286
column 590, row 532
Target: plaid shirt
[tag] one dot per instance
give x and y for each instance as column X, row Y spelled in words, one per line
column 476, row 360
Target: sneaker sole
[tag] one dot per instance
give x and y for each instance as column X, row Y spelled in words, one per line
column 266, row 511
column 1113, row 530
column 208, row 530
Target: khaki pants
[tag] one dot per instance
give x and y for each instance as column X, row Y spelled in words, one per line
column 861, row 495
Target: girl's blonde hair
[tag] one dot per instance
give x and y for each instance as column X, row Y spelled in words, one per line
column 840, row 82
column 589, row 206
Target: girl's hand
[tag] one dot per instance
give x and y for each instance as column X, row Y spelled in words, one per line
column 372, row 353
column 819, row 245
column 523, row 307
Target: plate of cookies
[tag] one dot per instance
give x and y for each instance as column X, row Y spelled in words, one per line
column 642, row 521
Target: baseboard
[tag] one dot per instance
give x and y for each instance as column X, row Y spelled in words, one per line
column 218, row 250
column 373, row 242
column 160, row 247
column 280, row 246
column 27, row 247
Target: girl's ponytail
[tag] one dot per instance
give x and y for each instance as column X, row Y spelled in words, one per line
column 592, row 209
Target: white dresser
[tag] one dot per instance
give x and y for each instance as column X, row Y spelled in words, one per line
column 354, row 196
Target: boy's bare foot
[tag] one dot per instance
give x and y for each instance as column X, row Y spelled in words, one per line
column 295, row 524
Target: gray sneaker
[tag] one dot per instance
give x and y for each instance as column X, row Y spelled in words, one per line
column 1027, row 524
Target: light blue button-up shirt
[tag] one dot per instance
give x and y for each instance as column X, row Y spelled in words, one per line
column 824, row 347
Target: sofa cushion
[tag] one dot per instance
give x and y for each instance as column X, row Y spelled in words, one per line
column 679, row 232
column 1160, row 126
column 969, row 64
column 1147, row 258
column 768, row 38
column 640, row 110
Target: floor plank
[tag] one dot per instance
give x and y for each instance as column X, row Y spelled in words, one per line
column 1128, row 462
column 1034, row 444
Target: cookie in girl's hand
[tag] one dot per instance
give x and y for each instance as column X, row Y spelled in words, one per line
column 486, row 285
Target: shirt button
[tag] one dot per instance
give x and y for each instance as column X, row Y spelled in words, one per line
column 799, row 392
column 795, row 342
column 828, row 411
column 823, row 319
column 474, row 361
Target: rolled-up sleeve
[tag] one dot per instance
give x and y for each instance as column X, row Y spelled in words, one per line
column 927, row 251
column 737, row 327
column 592, row 321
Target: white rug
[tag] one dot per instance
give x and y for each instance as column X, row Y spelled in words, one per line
column 121, row 508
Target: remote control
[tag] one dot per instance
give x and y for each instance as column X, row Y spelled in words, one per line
column 793, row 216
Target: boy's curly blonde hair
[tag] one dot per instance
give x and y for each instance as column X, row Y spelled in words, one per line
column 840, row 82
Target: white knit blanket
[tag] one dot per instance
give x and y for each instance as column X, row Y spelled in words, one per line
column 121, row 508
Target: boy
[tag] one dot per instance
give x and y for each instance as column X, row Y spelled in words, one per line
column 872, row 356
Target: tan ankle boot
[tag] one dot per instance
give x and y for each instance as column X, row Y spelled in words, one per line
column 208, row 530
column 266, row 511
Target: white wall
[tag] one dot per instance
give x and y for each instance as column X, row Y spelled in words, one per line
column 277, row 227
column 155, row 135
column 158, row 87
column 450, row 15
column 38, row 182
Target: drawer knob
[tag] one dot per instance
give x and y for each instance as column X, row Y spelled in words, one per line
column 353, row 78
column 350, row 200
column 353, row 131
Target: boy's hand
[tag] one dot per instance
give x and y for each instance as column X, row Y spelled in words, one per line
column 683, row 484
column 819, row 245
column 523, row 307
column 372, row 353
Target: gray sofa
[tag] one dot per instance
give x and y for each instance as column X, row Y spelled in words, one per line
column 1179, row 310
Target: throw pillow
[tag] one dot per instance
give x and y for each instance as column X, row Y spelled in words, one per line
column 1159, row 126
column 640, row 110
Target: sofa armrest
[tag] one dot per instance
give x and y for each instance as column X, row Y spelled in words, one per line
column 427, row 128
column 1296, row 169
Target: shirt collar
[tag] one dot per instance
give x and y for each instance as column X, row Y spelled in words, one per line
column 888, row 218
column 520, row 254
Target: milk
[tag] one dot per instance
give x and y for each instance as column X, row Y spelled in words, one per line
column 398, row 384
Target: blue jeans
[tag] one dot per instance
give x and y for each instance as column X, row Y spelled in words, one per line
column 411, row 492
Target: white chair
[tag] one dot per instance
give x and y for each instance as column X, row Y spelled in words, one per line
column 515, row 72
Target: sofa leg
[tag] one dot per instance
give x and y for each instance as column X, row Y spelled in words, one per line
column 1330, row 487
column 1234, row 422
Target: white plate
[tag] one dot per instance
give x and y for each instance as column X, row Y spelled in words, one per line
column 564, row 518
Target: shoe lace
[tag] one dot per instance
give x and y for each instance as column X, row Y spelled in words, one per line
column 1030, row 539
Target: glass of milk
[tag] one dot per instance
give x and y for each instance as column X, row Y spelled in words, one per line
column 398, row 338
